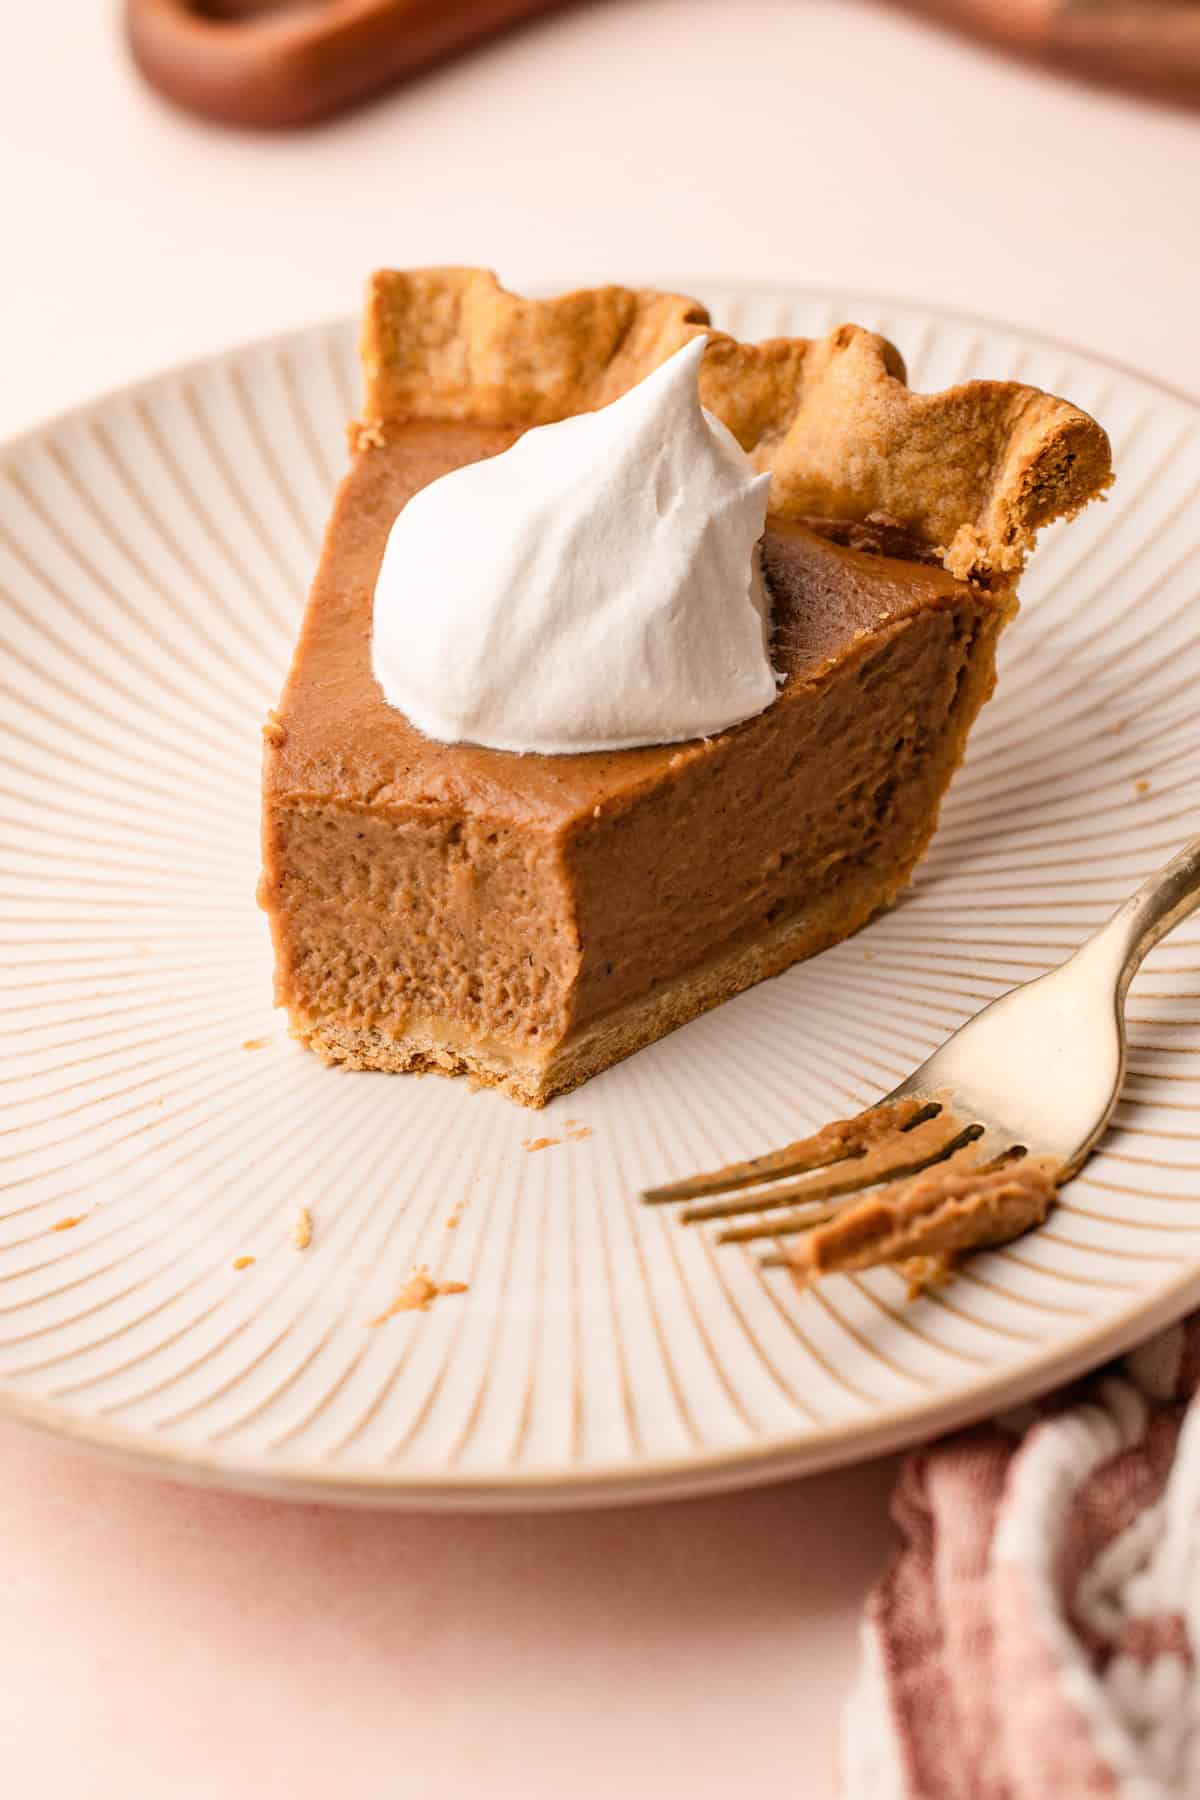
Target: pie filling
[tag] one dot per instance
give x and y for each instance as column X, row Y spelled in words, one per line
column 530, row 919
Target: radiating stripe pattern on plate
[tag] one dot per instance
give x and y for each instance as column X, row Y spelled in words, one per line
column 155, row 548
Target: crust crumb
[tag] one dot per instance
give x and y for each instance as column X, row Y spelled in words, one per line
column 69, row 1223
column 453, row 1222
column 302, row 1229
column 574, row 1132
column 256, row 1043
column 242, row 1262
column 921, row 1273
column 274, row 730
column 419, row 1293
column 366, row 434
column 1142, row 786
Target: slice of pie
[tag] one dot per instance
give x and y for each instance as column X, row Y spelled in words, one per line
column 528, row 920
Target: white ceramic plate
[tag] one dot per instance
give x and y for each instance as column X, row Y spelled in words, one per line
column 155, row 548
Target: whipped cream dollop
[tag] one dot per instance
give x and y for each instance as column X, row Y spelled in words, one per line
column 595, row 587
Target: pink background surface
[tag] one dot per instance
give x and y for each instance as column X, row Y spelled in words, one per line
column 160, row 1642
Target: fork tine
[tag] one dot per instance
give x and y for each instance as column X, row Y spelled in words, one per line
column 829, row 1187
column 775, row 1166
column 788, row 1226
column 798, row 1222
column 844, row 1140
column 794, row 1222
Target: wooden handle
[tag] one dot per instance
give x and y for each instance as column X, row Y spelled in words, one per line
column 262, row 62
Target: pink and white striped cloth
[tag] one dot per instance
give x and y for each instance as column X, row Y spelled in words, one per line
column 1036, row 1637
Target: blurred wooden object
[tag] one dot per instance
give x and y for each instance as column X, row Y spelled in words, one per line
column 276, row 62
column 288, row 62
column 1148, row 46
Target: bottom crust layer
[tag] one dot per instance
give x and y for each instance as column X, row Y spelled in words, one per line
column 428, row 1050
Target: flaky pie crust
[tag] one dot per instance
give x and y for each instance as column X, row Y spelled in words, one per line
column 975, row 471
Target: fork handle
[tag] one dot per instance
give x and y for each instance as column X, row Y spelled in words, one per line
column 1163, row 900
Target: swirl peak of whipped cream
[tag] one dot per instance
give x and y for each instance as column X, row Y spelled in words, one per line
column 595, row 587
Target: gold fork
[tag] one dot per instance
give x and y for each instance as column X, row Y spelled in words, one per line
column 970, row 1149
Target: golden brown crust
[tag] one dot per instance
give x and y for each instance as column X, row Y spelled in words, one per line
column 976, row 470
